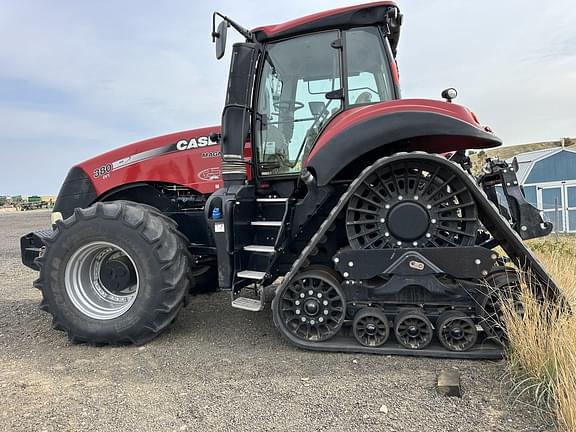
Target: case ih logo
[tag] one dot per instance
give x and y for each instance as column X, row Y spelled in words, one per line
column 210, row 174
column 194, row 143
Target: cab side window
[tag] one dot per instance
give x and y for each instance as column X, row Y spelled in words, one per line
column 369, row 79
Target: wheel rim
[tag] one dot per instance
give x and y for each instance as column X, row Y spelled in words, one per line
column 413, row 330
column 312, row 307
column 101, row 280
column 457, row 332
column 411, row 204
column 371, row 328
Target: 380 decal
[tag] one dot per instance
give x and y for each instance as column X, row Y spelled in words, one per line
column 103, row 170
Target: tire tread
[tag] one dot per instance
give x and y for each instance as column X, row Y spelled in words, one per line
column 167, row 244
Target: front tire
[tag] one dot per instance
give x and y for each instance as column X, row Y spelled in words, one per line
column 114, row 273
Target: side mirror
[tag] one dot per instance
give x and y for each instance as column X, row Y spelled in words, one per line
column 220, row 39
column 316, row 108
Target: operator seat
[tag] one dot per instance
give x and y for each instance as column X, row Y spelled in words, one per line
column 363, row 98
column 274, row 143
column 274, row 146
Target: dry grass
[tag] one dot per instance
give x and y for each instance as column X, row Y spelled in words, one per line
column 542, row 352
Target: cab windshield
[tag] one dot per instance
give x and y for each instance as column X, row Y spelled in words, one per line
column 301, row 89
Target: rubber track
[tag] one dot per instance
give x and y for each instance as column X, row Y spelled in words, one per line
column 175, row 268
column 496, row 224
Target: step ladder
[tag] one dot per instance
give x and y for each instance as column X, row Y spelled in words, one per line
column 258, row 277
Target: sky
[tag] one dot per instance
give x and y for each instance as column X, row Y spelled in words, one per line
column 81, row 77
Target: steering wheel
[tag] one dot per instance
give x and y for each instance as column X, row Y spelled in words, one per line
column 288, row 105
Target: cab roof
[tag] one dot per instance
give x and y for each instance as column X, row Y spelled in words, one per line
column 345, row 17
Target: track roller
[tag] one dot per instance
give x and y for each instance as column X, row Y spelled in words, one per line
column 413, row 329
column 456, row 331
column 370, row 327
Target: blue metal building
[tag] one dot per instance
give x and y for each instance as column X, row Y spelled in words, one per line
column 548, row 178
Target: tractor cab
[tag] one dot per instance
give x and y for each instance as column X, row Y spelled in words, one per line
column 305, row 81
column 286, row 84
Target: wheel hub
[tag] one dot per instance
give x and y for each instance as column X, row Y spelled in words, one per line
column 101, row 280
column 371, row 329
column 456, row 332
column 413, row 331
column 408, row 221
column 312, row 307
column 116, row 275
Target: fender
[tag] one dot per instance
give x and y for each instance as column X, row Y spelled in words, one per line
column 376, row 130
column 77, row 191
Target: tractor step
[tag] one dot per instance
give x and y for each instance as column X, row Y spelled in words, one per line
column 251, row 274
column 260, row 249
column 271, row 200
column 266, row 223
column 244, row 303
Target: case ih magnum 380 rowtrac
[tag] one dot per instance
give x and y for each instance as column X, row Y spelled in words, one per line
column 359, row 204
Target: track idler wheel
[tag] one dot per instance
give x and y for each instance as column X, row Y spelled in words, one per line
column 370, row 327
column 311, row 307
column 413, row 330
column 456, row 331
column 503, row 285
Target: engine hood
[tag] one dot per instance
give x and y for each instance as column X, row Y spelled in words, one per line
column 187, row 158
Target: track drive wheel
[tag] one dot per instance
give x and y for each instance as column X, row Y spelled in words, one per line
column 411, row 203
column 370, row 327
column 311, row 308
column 413, row 329
column 456, row 331
column 114, row 273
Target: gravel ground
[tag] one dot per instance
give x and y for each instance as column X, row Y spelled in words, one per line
column 221, row 369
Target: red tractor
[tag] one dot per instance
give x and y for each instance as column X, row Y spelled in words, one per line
column 358, row 203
